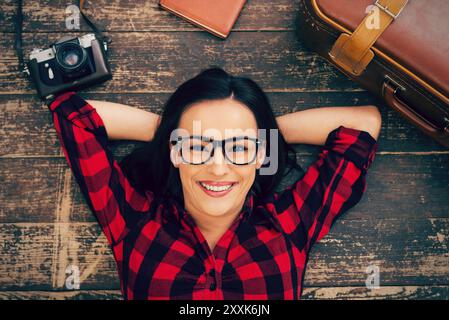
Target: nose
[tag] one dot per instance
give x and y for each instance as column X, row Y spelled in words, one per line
column 217, row 163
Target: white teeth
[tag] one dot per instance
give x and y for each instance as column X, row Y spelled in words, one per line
column 216, row 188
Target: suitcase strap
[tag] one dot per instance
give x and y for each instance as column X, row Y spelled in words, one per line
column 353, row 52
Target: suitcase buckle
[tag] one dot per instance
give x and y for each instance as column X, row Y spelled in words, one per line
column 387, row 10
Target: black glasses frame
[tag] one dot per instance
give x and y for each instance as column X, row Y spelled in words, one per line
column 216, row 143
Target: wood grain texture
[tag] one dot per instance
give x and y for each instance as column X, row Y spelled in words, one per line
column 23, row 120
column 407, row 251
column 145, row 62
column 390, row 293
column 406, row 186
column 401, row 224
column 341, row 293
column 143, row 15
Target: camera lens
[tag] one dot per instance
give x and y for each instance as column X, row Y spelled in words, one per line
column 71, row 57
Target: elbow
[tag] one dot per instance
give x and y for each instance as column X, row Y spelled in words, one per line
column 374, row 121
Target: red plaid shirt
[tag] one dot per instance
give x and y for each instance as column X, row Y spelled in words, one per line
column 161, row 253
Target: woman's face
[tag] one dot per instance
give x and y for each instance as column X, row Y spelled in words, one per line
column 219, row 119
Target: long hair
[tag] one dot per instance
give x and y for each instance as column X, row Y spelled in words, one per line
column 149, row 167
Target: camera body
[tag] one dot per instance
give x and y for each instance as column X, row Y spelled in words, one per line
column 70, row 64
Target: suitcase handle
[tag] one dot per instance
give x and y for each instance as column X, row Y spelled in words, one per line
column 389, row 93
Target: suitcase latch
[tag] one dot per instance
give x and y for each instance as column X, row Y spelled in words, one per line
column 386, row 9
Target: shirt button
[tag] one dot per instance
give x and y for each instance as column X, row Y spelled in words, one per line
column 213, row 285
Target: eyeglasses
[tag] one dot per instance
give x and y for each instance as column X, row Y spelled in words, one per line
column 199, row 149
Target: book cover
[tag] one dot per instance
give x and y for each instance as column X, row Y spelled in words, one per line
column 215, row 16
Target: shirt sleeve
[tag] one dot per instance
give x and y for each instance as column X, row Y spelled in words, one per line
column 334, row 183
column 83, row 138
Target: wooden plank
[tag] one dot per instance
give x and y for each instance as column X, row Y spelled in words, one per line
column 35, row 256
column 401, row 224
column 341, row 293
column 29, row 188
column 62, row 295
column 23, row 118
column 141, row 15
column 145, row 62
column 407, row 251
column 390, row 293
column 406, row 186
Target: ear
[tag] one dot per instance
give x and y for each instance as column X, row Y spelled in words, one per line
column 175, row 157
column 261, row 154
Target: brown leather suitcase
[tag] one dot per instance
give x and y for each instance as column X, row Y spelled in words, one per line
column 396, row 49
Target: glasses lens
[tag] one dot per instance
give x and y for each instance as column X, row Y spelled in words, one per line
column 241, row 151
column 196, row 150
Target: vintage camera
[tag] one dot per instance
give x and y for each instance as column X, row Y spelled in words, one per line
column 70, row 64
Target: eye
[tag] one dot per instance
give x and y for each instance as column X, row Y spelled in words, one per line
column 196, row 148
column 200, row 146
column 239, row 148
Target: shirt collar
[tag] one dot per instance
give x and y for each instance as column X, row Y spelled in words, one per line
column 247, row 209
column 248, row 213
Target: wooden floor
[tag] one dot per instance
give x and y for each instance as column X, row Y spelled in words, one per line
column 401, row 224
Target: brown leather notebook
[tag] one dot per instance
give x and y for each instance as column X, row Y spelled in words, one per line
column 215, row 16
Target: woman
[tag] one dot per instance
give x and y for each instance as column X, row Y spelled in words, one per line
column 191, row 215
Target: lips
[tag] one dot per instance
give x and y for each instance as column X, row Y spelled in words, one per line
column 216, row 184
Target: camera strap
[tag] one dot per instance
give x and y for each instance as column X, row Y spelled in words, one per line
column 92, row 25
column 18, row 39
column 18, row 33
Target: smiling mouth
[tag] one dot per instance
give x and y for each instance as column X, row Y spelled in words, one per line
column 220, row 188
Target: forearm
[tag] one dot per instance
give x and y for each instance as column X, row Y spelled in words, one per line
column 123, row 122
column 312, row 126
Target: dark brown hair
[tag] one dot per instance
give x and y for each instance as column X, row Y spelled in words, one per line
column 149, row 167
